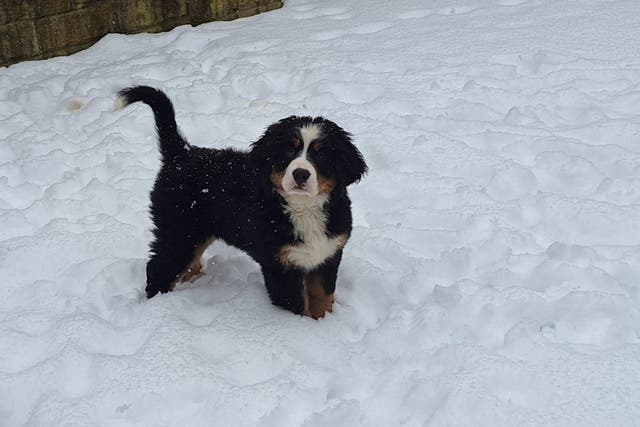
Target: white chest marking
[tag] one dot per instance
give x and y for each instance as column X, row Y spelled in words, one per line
column 309, row 225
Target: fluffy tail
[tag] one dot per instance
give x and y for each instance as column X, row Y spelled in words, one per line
column 172, row 144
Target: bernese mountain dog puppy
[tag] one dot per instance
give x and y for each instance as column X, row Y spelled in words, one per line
column 284, row 202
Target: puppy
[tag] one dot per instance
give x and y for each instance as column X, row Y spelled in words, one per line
column 284, row 202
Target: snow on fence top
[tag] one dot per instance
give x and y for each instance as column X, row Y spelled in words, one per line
column 46, row 28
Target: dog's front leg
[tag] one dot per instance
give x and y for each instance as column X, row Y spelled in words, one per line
column 319, row 287
column 285, row 287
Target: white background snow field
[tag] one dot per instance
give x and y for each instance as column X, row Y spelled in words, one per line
column 493, row 275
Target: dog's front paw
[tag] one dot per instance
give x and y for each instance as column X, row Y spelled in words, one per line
column 317, row 302
column 191, row 274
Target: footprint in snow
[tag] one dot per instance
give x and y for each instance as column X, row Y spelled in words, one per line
column 422, row 13
column 512, row 2
column 371, row 28
column 329, row 12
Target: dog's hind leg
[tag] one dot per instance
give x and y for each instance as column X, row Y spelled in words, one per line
column 171, row 256
column 194, row 268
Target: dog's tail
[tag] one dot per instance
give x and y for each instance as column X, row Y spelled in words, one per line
column 172, row 144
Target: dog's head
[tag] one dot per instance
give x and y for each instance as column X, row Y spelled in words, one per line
column 305, row 156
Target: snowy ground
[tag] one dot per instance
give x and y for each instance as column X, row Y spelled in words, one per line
column 493, row 277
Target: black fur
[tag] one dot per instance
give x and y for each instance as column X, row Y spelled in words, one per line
column 227, row 194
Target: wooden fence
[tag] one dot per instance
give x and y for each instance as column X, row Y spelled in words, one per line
column 37, row 29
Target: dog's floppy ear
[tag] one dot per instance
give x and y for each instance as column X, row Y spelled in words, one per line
column 260, row 159
column 262, row 151
column 350, row 162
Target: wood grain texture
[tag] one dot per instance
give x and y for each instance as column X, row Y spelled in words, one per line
column 42, row 29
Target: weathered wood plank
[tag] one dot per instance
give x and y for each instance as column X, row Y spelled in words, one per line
column 12, row 11
column 45, row 28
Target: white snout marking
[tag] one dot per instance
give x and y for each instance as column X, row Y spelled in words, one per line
column 308, row 133
column 310, row 187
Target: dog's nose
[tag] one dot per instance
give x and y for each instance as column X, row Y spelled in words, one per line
column 300, row 176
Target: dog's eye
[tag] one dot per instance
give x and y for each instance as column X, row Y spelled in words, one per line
column 293, row 146
column 322, row 154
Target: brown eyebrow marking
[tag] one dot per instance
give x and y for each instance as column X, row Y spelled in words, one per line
column 295, row 142
column 315, row 146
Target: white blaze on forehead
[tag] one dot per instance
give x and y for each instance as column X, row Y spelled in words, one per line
column 309, row 133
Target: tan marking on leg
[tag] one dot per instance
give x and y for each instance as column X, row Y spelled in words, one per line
column 283, row 256
column 305, row 299
column 194, row 268
column 317, row 301
column 342, row 240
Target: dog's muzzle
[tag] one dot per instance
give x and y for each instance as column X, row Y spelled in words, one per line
column 300, row 178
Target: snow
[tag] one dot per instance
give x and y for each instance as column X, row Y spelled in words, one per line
column 493, row 276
